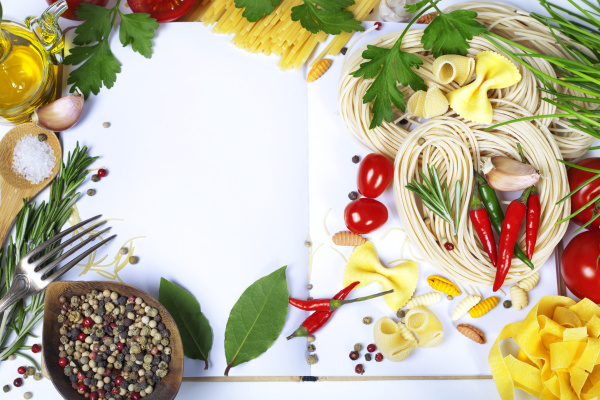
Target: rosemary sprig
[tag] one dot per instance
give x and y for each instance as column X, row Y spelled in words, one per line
column 34, row 225
column 436, row 197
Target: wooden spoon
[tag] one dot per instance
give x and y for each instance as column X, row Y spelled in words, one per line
column 13, row 187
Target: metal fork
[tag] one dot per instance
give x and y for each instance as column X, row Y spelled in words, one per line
column 33, row 272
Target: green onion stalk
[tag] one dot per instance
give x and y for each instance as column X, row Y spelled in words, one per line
column 34, row 225
column 580, row 72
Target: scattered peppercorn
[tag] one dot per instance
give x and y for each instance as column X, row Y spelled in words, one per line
column 123, row 251
column 91, row 192
column 310, row 338
column 36, row 348
column 307, row 243
column 449, row 246
column 312, row 359
column 102, row 172
column 400, row 314
column 42, row 137
column 353, row 195
column 21, row 370
column 37, row 376
column 311, row 348
column 377, row 26
column 133, row 260
column 368, row 357
column 378, row 357
column 106, row 124
column 30, row 371
column 27, row 395
column 359, row 369
column 6, row 388
column 421, row 141
column 95, row 178
column 403, row 121
column 309, row 286
column 507, row 304
column 354, row 355
column 344, row 50
column 18, row 382
column 357, row 347
column 12, row 357
column 449, row 297
column 355, row 159
column 367, row 320
column 371, row 348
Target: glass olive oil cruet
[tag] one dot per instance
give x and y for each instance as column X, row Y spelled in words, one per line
column 29, row 53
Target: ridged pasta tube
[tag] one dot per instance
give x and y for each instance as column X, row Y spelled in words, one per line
column 393, row 339
column 530, row 282
column 424, row 300
column 426, row 325
column 443, row 285
column 518, row 297
column 483, row 307
column 452, row 67
column 464, row 306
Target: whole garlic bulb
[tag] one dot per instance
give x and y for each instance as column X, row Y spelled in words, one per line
column 393, row 10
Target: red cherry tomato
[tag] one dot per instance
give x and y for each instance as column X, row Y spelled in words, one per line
column 374, row 175
column 580, row 265
column 586, row 193
column 162, row 10
column 71, row 12
column 365, row 215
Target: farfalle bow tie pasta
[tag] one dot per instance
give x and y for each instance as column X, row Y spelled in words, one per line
column 364, row 266
column 559, row 355
column 493, row 71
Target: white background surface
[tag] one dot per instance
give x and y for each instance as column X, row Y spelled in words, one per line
column 154, row 111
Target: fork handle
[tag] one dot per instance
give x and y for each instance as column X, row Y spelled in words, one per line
column 18, row 290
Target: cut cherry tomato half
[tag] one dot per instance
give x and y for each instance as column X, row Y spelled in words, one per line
column 162, row 10
column 374, row 175
column 365, row 215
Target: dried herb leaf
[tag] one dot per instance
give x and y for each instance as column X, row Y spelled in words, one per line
column 257, row 319
column 195, row 331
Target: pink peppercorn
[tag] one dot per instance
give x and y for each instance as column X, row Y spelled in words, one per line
column 377, row 26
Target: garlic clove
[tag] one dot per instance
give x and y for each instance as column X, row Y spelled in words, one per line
column 509, row 175
column 59, row 115
column 393, row 10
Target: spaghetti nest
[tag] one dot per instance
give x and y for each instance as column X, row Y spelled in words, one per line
column 454, row 147
column 524, row 99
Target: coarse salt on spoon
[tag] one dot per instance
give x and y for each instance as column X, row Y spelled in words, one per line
column 14, row 187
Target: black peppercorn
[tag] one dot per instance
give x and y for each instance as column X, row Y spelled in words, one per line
column 127, row 322
column 120, row 357
column 139, row 357
column 344, row 50
column 144, row 385
column 353, row 195
column 89, row 374
column 165, row 357
column 355, row 159
column 158, row 318
column 122, row 300
column 127, row 368
column 121, row 328
column 86, row 381
column 123, row 335
column 156, row 378
column 73, row 378
column 368, row 357
column 123, row 384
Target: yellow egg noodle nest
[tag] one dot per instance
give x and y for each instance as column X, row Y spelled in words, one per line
column 364, row 266
column 454, row 147
column 523, row 99
column 559, row 352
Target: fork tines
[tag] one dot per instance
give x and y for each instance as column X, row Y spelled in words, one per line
column 43, row 264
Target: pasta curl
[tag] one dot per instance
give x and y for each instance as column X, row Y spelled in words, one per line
column 424, row 300
column 426, row 325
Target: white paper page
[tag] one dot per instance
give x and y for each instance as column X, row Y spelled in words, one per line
column 332, row 176
column 207, row 158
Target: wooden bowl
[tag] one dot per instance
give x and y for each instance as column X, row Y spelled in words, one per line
column 166, row 389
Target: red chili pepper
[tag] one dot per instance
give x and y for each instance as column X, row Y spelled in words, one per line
column 316, row 320
column 482, row 224
column 532, row 224
column 308, row 305
column 515, row 214
column 330, row 304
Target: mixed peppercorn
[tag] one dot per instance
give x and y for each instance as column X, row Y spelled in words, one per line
column 112, row 346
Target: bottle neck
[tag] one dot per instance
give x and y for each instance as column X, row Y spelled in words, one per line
column 48, row 31
column 4, row 43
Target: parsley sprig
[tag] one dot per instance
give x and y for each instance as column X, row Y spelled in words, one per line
column 329, row 16
column 99, row 67
column 447, row 33
column 254, row 10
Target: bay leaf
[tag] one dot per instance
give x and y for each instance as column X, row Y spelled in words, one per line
column 194, row 328
column 257, row 319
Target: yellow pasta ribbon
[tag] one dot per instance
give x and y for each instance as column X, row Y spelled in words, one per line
column 452, row 67
column 494, row 71
column 364, row 266
column 559, row 356
column 393, row 339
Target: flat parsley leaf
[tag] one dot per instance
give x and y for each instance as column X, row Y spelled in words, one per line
column 329, row 16
column 100, row 67
column 256, row 9
column 390, row 66
column 415, row 7
column 97, row 64
column 138, row 29
column 448, row 33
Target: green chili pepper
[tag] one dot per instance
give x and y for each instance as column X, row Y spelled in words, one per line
column 492, row 205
